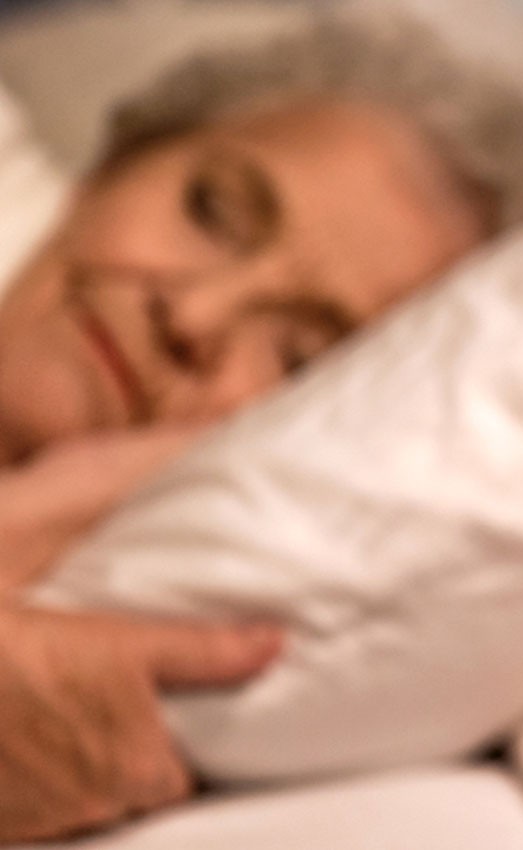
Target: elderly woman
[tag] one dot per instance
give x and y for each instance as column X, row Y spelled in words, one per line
column 218, row 247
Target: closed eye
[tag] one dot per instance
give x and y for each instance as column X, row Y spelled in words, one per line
column 207, row 208
column 292, row 360
column 297, row 347
column 233, row 203
column 304, row 329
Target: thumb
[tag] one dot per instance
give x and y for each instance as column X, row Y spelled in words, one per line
column 178, row 656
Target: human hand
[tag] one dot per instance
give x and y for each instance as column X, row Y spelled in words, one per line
column 82, row 745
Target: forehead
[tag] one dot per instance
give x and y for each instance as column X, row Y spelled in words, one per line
column 330, row 145
column 364, row 194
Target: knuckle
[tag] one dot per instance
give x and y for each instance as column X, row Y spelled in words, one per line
column 142, row 778
column 145, row 773
column 155, row 784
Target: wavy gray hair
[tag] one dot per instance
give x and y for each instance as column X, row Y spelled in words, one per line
column 366, row 51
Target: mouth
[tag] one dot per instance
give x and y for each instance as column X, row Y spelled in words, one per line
column 115, row 361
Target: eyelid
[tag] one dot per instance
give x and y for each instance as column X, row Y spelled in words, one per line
column 300, row 341
column 246, row 212
column 313, row 324
column 292, row 361
column 201, row 203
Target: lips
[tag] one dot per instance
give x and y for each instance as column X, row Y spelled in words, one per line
column 115, row 361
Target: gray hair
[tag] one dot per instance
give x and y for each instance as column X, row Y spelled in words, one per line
column 363, row 51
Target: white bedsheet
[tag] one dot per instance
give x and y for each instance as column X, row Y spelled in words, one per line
column 447, row 809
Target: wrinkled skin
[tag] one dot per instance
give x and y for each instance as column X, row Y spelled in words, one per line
column 82, row 744
column 192, row 278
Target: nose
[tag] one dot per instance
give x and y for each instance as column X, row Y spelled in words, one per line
column 195, row 316
column 190, row 352
column 192, row 320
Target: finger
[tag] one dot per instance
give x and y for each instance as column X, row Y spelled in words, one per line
column 148, row 771
column 187, row 656
column 177, row 655
column 178, row 783
column 172, row 784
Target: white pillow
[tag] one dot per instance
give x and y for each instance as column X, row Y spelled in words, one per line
column 376, row 509
column 32, row 190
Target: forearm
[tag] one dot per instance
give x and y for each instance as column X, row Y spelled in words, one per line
column 45, row 510
column 48, row 504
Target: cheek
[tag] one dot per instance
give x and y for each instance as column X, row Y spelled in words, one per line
column 48, row 386
column 119, row 229
column 41, row 396
column 249, row 369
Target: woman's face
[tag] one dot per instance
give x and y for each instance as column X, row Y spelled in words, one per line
column 198, row 274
